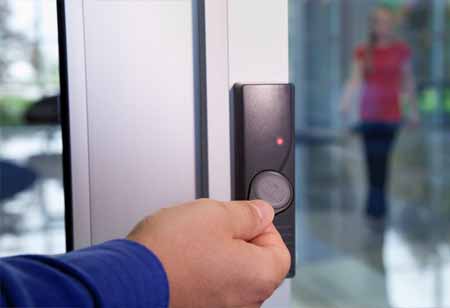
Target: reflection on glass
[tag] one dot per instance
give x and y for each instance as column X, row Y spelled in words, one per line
column 373, row 152
column 31, row 192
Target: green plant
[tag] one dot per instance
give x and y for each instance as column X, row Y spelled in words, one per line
column 12, row 109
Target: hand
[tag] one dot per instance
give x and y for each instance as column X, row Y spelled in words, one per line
column 217, row 254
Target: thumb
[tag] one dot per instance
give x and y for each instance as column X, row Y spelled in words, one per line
column 248, row 219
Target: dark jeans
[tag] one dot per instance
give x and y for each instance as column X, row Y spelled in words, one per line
column 378, row 140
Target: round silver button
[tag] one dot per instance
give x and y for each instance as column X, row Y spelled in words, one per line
column 273, row 188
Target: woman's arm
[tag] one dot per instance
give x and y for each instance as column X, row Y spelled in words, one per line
column 409, row 91
column 352, row 87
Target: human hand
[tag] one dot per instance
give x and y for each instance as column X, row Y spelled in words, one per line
column 345, row 110
column 217, row 254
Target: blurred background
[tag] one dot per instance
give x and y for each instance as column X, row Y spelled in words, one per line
column 344, row 258
column 31, row 189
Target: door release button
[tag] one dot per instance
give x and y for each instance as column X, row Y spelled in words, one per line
column 273, row 188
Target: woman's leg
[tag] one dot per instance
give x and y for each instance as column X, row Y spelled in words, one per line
column 378, row 143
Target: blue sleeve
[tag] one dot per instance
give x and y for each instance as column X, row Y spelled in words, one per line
column 118, row 273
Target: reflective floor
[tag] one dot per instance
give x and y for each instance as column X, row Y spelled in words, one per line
column 32, row 221
column 346, row 260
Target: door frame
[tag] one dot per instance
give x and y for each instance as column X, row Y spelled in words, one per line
column 65, row 125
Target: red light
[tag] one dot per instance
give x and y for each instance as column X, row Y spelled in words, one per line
column 280, row 141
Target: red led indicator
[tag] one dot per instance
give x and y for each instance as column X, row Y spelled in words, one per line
column 280, row 141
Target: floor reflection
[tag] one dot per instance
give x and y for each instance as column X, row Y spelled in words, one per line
column 347, row 260
column 32, row 221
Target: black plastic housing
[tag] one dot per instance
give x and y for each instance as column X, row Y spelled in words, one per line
column 262, row 127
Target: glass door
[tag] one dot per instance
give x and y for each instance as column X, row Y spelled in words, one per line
column 372, row 139
column 373, row 181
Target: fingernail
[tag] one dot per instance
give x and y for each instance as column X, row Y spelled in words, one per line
column 264, row 209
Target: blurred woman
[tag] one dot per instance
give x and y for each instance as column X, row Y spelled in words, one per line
column 381, row 74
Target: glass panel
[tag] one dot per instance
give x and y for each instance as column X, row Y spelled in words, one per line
column 373, row 176
column 31, row 194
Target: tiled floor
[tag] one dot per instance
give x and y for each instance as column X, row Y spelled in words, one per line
column 347, row 261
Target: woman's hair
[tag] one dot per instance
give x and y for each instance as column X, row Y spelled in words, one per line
column 372, row 38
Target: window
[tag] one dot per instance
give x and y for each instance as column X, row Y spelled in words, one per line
column 346, row 257
column 32, row 193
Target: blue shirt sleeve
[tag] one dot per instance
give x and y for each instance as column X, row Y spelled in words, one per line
column 119, row 273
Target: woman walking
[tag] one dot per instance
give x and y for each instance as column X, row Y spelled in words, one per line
column 381, row 74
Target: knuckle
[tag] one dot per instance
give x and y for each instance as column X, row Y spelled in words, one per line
column 211, row 203
column 220, row 213
column 222, row 209
column 252, row 211
column 204, row 201
column 149, row 219
column 220, row 204
column 266, row 287
column 157, row 215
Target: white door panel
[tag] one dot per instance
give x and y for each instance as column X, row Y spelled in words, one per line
column 139, row 98
column 140, row 101
column 258, row 41
column 76, row 64
column 217, row 72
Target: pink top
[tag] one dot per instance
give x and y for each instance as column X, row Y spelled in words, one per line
column 383, row 82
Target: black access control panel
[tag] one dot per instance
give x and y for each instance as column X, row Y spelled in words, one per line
column 263, row 152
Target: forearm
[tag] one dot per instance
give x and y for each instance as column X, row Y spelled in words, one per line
column 352, row 88
column 351, row 91
column 119, row 273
